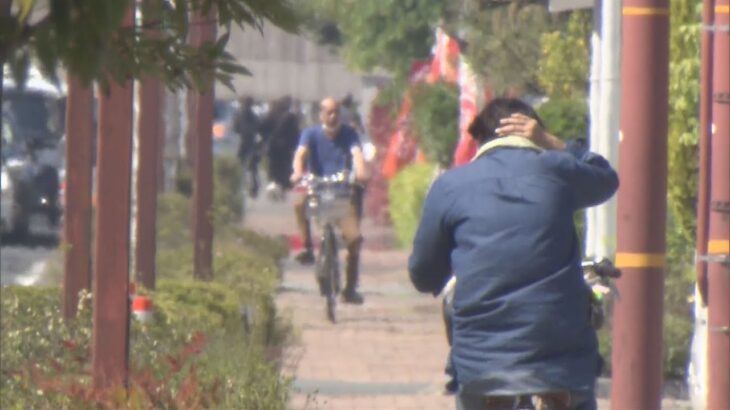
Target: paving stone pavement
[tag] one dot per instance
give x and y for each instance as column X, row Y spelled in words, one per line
column 387, row 354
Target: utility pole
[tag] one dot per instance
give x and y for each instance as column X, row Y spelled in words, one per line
column 718, row 245
column 642, row 207
column 151, row 135
column 608, row 120
column 110, row 339
column 203, row 163
column 77, row 209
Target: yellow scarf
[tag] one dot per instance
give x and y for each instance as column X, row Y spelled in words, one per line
column 512, row 141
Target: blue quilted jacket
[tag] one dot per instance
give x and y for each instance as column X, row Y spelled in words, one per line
column 504, row 225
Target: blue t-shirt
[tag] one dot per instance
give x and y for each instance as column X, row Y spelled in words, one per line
column 327, row 155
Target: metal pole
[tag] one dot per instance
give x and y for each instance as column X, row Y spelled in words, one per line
column 77, row 209
column 203, row 171
column 594, row 104
column 642, row 207
column 110, row 337
column 608, row 120
column 718, row 246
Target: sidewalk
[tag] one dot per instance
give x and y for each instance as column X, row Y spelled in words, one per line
column 387, row 354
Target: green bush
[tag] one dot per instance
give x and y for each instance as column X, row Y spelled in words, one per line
column 566, row 118
column 200, row 351
column 406, row 193
column 227, row 202
column 436, row 120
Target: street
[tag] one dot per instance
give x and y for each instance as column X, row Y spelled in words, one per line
column 27, row 263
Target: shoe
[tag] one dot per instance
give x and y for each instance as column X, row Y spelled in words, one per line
column 352, row 297
column 305, row 257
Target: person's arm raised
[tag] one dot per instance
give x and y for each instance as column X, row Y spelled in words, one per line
column 524, row 126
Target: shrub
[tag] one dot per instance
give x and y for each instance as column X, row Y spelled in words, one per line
column 227, row 197
column 406, row 193
column 201, row 351
column 436, row 120
column 566, row 118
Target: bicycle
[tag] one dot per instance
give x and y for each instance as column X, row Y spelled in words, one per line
column 599, row 276
column 328, row 201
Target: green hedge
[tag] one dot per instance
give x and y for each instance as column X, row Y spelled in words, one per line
column 406, row 193
column 200, row 351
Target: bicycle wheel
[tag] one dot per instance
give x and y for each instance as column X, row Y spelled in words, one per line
column 329, row 274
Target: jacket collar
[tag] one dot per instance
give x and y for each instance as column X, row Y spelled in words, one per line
column 511, row 141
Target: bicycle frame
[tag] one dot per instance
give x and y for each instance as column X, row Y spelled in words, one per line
column 328, row 200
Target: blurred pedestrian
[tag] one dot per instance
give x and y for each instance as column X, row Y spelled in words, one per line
column 249, row 150
column 280, row 131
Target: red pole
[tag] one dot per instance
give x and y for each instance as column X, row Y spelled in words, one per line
column 703, row 193
column 111, row 267
column 641, row 245
column 149, row 131
column 203, row 175
column 718, row 246
column 77, row 210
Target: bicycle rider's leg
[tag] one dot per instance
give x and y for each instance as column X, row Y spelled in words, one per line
column 253, row 169
column 307, row 256
column 350, row 228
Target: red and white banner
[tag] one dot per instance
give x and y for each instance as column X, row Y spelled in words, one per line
column 447, row 64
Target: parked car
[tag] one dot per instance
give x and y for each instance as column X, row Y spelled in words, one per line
column 32, row 156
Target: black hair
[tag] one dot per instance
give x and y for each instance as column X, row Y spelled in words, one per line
column 486, row 122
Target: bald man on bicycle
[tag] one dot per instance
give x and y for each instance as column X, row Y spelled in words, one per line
column 327, row 149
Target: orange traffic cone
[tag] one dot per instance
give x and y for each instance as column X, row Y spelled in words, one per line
column 142, row 308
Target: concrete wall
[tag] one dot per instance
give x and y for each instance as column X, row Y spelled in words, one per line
column 285, row 64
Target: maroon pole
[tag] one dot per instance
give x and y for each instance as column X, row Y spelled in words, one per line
column 149, row 131
column 191, row 102
column 718, row 247
column 111, row 267
column 637, row 333
column 203, row 166
column 77, row 209
column 703, row 192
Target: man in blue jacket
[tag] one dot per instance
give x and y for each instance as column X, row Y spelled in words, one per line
column 504, row 225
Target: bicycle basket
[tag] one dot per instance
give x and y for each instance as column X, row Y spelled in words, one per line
column 329, row 203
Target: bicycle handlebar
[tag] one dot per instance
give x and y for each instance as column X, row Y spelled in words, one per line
column 603, row 268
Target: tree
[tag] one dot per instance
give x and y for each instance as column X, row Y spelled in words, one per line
column 436, row 120
column 503, row 41
column 376, row 34
column 87, row 38
column 568, row 43
column 684, row 80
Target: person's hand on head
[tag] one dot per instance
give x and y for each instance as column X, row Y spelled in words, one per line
column 521, row 126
